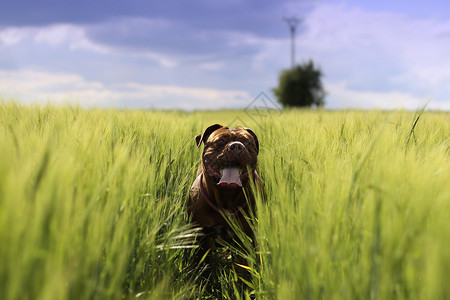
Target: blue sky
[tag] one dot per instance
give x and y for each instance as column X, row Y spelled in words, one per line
column 203, row 54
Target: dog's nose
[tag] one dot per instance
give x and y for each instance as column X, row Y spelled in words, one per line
column 236, row 147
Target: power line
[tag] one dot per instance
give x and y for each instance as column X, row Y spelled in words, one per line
column 292, row 23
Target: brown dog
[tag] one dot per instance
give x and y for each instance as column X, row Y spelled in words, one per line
column 223, row 187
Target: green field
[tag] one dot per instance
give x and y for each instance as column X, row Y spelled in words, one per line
column 92, row 205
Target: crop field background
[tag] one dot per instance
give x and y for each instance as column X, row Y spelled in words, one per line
column 92, row 205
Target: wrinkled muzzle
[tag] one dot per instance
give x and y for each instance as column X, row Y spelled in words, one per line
column 229, row 168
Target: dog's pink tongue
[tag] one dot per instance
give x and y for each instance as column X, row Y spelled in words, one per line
column 230, row 178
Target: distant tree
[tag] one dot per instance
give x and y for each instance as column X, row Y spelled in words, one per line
column 300, row 86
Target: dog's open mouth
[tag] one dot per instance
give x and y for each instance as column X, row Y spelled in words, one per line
column 230, row 176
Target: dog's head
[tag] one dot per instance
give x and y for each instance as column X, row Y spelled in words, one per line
column 228, row 154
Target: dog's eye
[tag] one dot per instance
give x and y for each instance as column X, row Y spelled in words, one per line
column 220, row 142
column 246, row 143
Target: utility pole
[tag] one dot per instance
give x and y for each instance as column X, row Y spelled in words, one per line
column 292, row 23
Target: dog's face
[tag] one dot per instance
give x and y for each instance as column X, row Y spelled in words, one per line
column 228, row 154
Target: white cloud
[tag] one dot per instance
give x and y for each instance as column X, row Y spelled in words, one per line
column 12, row 36
column 163, row 60
column 31, row 86
column 164, row 96
column 32, row 80
column 386, row 59
column 213, row 66
column 76, row 37
column 343, row 97
column 73, row 36
column 58, row 34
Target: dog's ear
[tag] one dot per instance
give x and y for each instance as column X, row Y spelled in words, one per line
column 202, row 137
column 255, row 138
